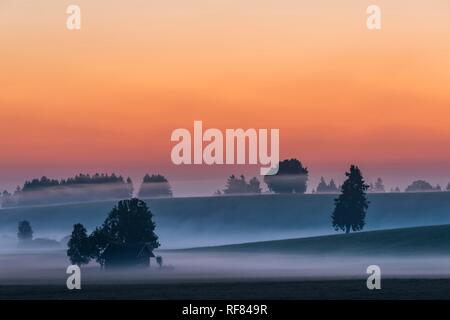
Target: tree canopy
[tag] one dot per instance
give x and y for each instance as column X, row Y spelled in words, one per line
column 351, row 206
column 421, row 186
column 291, row 177
column 154, row 186
column 130, row 222
column 80, row 250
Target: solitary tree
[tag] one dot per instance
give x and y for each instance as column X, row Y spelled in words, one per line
column 79, row 250
column 159, row 261
column 130, row 222
column 420, row 186
column 25, row 232
column 352, row 204
column 291, row 177
column 155, row 186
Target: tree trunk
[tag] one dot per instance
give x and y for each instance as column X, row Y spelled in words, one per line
column 347, row 229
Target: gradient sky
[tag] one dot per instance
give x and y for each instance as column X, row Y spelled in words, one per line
column 106, row 98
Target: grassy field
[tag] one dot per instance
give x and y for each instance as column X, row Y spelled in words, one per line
column 430, row 240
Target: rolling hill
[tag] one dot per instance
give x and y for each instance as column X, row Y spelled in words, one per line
column 189, row 222
column 430, row 240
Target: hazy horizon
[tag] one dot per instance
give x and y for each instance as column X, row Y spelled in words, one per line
column 107, row 97
column 189, row 186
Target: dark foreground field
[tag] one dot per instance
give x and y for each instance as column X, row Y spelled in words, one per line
column 414, row 264
column 294, row 289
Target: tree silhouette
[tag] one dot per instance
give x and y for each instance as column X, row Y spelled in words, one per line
column 155, row 186
column 254, row 186
column 379, row 185
column 6, row 199
column 291, row 177
column 352, row 204
column 323, row 187
column 79, row 251
column 130, row 222
column 25, row 232
column 332, row 186
column 419, row 186
column 235, row 185
column 129, row 186
column 82, row 187
column 240, row 186
column 99, row 240
column 159, row 261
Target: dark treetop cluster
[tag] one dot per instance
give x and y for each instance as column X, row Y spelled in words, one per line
column 240, row 185
column 82, row 187
column 155, row 186
column 324, row 187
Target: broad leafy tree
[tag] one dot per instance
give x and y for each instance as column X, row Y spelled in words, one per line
column 420, row 186
column 130, row 222
column 155, row 186
column 291, row 177
column 79, row 251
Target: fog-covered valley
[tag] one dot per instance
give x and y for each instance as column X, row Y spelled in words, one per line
column 196, row 233
column 203, row 221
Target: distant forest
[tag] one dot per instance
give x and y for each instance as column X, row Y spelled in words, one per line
column 82, row 187
column 292, row 177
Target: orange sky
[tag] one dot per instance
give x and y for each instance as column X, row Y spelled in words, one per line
column 107, row 97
